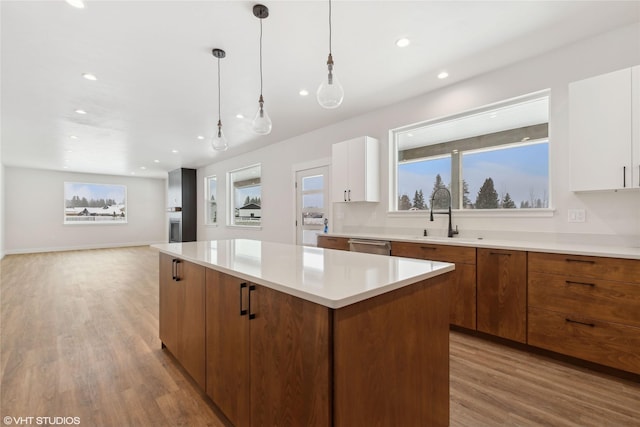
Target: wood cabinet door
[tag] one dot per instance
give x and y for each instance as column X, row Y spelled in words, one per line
column 169, row 296
column 227, row 341
column 191, row 320
column 502, row 293
column 290, row 360
column 462, row 301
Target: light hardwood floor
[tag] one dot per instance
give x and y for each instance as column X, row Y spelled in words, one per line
column 79, row 338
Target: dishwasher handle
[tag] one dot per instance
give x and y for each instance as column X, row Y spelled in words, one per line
column 368, row 242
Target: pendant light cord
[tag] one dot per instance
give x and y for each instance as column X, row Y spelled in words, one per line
column 329, row 26
column 260, row 57
column 219, row 95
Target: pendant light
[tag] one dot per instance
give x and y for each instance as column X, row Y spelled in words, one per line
column 330, row 93
column 261, row 123
column 219, row 141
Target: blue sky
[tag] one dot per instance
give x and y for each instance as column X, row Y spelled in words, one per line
column 520, row 171
column 95, row 191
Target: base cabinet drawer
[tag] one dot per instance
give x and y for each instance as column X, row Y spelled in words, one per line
column 339, row 243
column 609, row 344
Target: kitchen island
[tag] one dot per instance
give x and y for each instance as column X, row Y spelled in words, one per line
column 280, row 334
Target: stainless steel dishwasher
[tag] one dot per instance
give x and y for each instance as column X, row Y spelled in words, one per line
column 380, row 247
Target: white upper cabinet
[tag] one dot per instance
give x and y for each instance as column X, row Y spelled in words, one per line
column 355, row 170
column 604, row 126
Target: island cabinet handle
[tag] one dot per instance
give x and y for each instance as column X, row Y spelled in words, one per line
column 251, row 289
column 583, row 261
column 242, row 310
column 571, row 282
column 431, row 248
column 591, row 325
column 175, row 270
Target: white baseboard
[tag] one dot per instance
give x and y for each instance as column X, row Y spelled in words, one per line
column 78, row 248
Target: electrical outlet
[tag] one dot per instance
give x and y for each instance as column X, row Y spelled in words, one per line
column 576, row 215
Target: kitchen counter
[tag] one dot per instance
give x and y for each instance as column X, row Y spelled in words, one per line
column 531, row 246
column 331, row 278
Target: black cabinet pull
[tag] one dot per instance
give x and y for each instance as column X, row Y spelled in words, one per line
column 242, row 310
column 251, row 289
column 591, row 325
column 584, row 261
column 175, row 268
column 570, row 282
column 345, row 195
column 624, row 177
column 431, row 248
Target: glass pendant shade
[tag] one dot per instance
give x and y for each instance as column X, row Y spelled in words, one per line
column 219, row 141
column 330, row 92
column 261, row 123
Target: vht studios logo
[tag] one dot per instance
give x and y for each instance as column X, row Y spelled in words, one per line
column 39, row 421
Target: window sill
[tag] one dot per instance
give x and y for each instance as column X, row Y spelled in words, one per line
column 479, row 213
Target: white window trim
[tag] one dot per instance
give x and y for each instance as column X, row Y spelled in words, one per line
column 472, row 213
column 206, row 200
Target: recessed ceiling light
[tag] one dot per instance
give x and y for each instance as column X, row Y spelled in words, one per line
column 443, row 75
column 156, row 161
column 78, row 4
column 493, row 115
column 73, row 137
column 409, row 135
column 174, row 151
column 68, row 151
column 81, row 112
column 65, row 167
column 143, row 168
column 239, row 116
column 200, row 137
column 403, row 42
column 133, row 173
column 90, row 76
column 303, row 92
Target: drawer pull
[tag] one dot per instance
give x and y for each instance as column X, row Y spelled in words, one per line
column 500, row 253
column 591, row 325
column 569, row 282
column 583, row 261
column 431, row 248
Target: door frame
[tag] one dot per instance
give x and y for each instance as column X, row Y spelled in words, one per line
column 299, row 167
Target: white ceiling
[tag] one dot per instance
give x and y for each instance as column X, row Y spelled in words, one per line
column 156, row 89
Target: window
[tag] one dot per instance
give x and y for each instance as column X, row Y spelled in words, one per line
column 211, row 203
column 495, row 157
column 245, row 193
column 86, row 203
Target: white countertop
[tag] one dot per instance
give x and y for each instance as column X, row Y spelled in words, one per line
column 328, row 277
column 523, row 245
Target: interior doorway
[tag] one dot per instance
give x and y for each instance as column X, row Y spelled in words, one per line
column 312, row 204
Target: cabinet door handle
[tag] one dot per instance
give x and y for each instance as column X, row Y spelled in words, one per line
column 431, row 248
column 176, row 276
column 591, row 325
column 349, row 195
column 624, row 177
column 251, row 289
column 173, row 269
column 345, row 195
column 583, row 261
column 570, row 282
column 499, row 253
column 242, row 310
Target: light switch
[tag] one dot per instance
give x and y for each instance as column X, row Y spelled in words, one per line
column 576, row 215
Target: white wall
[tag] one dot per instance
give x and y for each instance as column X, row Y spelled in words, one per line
column 34, row 212
column 2, row 215
column 612, row 217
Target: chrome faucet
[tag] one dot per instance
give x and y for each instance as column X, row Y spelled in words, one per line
column 451, row 230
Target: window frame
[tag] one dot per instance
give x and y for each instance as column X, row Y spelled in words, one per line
column 117, row 220
column 394, row 134
column 207, row 201
column 231, row 217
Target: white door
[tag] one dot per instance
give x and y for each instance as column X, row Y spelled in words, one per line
column 312, row 204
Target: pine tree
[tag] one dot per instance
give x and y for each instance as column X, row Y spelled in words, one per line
column 507, row 202
column 487, row 196
column 466, row 201
column 441, row 199
column 404, row 203
column 418, row 200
